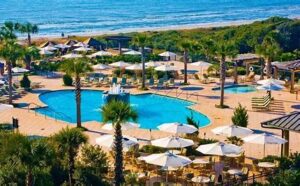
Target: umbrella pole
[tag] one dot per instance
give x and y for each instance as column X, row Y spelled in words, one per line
column 264, row 150
column 167, row 176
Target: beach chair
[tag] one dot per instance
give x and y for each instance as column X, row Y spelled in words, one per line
column 260, row 99
column 114, row 80
column 151, row 82
column 261, row 105
column 160, row 83
column 250, row 77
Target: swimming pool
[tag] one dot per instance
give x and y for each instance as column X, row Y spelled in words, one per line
column 152, row 109
column 237, row 89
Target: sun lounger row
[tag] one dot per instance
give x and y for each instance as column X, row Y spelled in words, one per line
column 261, row 103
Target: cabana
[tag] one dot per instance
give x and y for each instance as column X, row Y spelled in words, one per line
column 71, row 42
column 287, row 123
column 288, row 66
column 93, row 43
column 48, row 43
column 246, row 60
column 120, row 40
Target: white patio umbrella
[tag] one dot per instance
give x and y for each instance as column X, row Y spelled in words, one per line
column 167, row 54
column 101, row 66
column 220, row 149
column 125, row 126
column 137, row 66
column 107, row 141
column 45, row 52
column 263, row 139
column 132, row 52
column 80, row 44
column 83, row 49
column 270, row 81
column 19, row 70
column 172, row 142
column 49, row 48
column 167, row 160
column 177, row 128
column 201, row 64
column 166, row 68
column 71, row 56
column 232, row 130
column 101, row 53
column 4, row 107
column 152, row 64
column 120, row 64
column 270, row 87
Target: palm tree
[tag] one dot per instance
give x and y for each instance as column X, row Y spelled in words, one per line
column 141, row 40
column 77, row 67
column 118, row 112
column 68, row 142
column 33, row 155
column 27, row 28
column 10, row 51
column 30, row 53
column 185, row 46
column 222, row 50
column 268, row 49
column 7, row 31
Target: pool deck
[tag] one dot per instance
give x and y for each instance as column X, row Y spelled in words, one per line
column 206, row 99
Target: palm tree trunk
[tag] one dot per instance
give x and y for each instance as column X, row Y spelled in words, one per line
column 78, row 100
column 143, row 70
column 9, row 69
column 29, row 39
column 235, row 73
column 118, row 148
column 269, row 68
column 222, row 80
column 71, row 167
column 262, row 66
column 185, row 56
column 29, row 178
column 27, row 60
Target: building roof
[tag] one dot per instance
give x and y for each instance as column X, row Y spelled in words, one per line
column 288, row 122
column 71, row 42
column 118, row 38
column 48, row 43
column 93, row 42
column 288, row 65
column 246, row 56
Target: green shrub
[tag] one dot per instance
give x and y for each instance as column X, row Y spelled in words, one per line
column 152, row 149
column 204, row 141
column 191, row 121
column 241, row 71
column 240, row 116
column 25, row 82
column 67, row 79
column 235, row 140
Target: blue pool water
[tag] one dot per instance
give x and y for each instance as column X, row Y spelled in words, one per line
column 152, row 109
column 238, row 89
column 86, row 16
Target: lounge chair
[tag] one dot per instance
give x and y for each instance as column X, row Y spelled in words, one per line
column 261, row 99
column 114, row 80
column 151, row 82
column 264, row 105
column 250, row 77
column 160, row 83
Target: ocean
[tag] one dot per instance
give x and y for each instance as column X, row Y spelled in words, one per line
column 87, row 17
